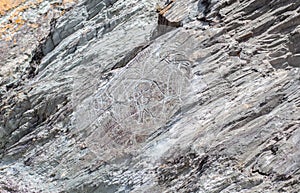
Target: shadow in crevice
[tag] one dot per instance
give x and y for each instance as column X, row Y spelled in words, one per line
column 164, row 26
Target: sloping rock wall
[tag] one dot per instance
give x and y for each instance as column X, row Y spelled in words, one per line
column 120, row 100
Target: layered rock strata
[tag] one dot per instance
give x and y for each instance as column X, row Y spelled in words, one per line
column 122, row 100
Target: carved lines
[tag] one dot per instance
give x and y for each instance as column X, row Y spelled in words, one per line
column 140, row 99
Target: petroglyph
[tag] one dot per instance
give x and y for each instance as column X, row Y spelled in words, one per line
column 141, row 98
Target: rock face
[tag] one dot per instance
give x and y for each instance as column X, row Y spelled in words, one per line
column 115, row 97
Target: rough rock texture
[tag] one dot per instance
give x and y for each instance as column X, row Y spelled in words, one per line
column 203, row 97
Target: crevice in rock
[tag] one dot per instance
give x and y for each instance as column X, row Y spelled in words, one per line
column 273, row 148
column 260, row 173
column 188, row 164
column 203, row 6
column 209, row 11
column 35, row 61
column 39, row 53
column 265, row 107
column 164, row 25
column 128, row 57
column 282, row 177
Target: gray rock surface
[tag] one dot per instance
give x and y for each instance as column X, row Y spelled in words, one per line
column 203, row 97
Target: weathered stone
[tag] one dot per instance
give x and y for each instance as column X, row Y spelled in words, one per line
column 201, row 97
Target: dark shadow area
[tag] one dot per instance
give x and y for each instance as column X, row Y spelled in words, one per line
column 164, row 26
